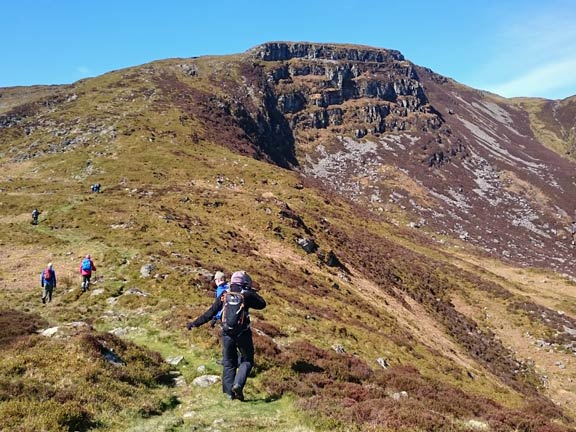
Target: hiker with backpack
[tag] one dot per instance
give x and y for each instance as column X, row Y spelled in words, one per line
column 35, row 214
column 86, row 269
column 48, row 283
column 236, row 333
column 219, row 280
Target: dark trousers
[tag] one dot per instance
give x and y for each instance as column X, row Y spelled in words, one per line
column 236, row 373
column 47, row 292
column 86, row 281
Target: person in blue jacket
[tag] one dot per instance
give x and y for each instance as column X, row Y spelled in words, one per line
column 221, row 288
column 48, row 283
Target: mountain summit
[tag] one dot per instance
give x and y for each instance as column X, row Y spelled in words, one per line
column 409, row 234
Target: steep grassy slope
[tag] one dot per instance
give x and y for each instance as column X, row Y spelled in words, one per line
column 382, row 328
column 553, row 122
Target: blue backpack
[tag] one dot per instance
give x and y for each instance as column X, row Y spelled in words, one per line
column 86, row 265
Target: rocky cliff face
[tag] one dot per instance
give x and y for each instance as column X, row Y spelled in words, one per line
column 319, row 86
column 395, row 136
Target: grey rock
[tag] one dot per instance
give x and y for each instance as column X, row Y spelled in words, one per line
column 338, row 348
column 477, row 425
column 206, row 380
column 112, row 358
column 136, row 291
column 79, row 324
column 382, row 362
column 112, row 300
column 307, row 244
column 146, row 270
column 560, row 364
column 49, row 332
column 122, row 331
column 174, row 361
column 541, row 343
column 282, row 51
column 399, row 395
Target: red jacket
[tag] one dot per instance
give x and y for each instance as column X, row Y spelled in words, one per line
column 87, row 272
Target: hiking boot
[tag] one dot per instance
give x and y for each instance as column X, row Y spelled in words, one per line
column 43, row 300
column 237, row 393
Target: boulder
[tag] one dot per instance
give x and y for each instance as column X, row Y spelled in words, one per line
column 382, row 362
column 146, row 270
column 49, row 332
column 206, row 380
column 174, row 361
column 307, row 244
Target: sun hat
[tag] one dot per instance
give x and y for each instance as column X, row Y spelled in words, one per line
column 241, row 278
column 219, row 275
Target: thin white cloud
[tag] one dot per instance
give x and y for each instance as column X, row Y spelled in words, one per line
column 534, row 53
column 549, row 79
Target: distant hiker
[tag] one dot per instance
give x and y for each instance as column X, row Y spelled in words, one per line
column 35, row 214
column 48, row 282
column 236, row 333
column 95, row 188
column 86, row 269
column 573, row 232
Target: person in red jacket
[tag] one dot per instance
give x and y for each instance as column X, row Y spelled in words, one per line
column 48, row 282
column 86, row 269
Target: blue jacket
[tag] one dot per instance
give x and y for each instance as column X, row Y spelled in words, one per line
column 220, row 289
column 51, row 281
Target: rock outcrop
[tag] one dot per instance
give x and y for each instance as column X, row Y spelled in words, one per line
column 346, row 89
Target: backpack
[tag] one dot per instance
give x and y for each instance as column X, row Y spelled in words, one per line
column 47, row 274
column 86, row 265
column 233, row 313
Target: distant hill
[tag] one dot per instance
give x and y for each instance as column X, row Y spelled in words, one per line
column 409, row 233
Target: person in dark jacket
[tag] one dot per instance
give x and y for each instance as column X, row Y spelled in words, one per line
column 235, row 374
column 35, row 214
column 48, row 283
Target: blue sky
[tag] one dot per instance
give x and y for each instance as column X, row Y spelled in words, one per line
column 513, row 48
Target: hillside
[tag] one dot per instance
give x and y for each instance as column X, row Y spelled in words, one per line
column 440, row 295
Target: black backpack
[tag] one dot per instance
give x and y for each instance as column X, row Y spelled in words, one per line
column 234, row 319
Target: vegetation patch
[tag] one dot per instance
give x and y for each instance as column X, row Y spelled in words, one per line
column 74, row 382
